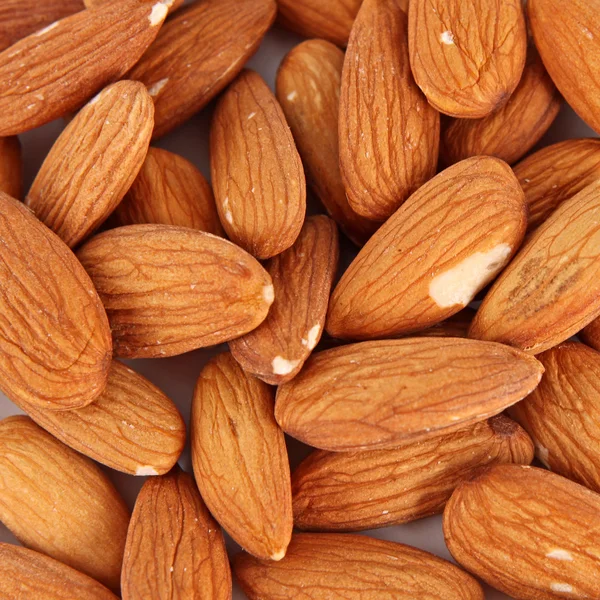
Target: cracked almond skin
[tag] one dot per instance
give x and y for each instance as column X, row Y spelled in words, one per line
column 429, row 260
column 551, row 289
column 527, row 532
column 302, row 277
column 512, row 130
column 353, row 491
column 467, row 55
column 308, row 89
column 94, row 162
column 388, row 133
column 174, row 549
column 11, row 167
column 379, row 394
column 60, row 503
column 55, row 338
column 162, row 303
column 257, row 174
column 54, row 71
column 240, row 459
column 354, row 567
column 131, row 427
column 198, row 53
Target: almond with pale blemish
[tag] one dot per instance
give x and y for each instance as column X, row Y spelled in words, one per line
column 162, row 303
column 94, row 162
column 302, row 277
column 427, row 262
column 257, row 174
column 172, row 5
column 389, row 134
column 308, row 89
column 60, row 503
column 55, row 70
column 198, row 53
column 551, row 289
column 351, row 491
column 240, row 459
column 467, row 55
column 174, row 548
column 170, row 190
column 527, row 532
column 379, row 394
column 11, row 167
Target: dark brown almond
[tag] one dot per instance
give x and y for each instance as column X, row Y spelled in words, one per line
column 456, row 326
column 11, row 167
column 590, row 334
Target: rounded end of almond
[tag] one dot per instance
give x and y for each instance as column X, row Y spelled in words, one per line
column 276, row 556
column 268, row 294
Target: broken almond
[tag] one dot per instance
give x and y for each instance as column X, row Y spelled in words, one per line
column 11, row 167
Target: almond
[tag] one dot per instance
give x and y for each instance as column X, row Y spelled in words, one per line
column 308, row 89
column 551, row 289
column 257, row 173
column 174, row 549
column 11, row 167
column 55, row 70
column 427, row 262
column 240, row 459
column 94, row 162
column 527, row 532
column 377, row 394
column 590, row 334
column 389, row 135
column 350, row 491
column 172, row 5
column 60, row 503
column 160, row 302
column 199, row 51
column 455, row 326
column 302, row 277
column 467, row 55
column 353, row 567
column 169, row 190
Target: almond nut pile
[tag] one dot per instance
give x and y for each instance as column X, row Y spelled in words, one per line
column 396, row 265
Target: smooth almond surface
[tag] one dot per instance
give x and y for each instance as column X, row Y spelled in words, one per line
column 11, row 167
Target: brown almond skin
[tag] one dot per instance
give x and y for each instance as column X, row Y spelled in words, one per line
column 352, row 491
column 455, row 326
column 162, row 304
column 389, row 135
column 308, row 89
column 169, row 190
column 302, row 277
column 94, row 162
column 551, row 289
column 354, row 567
column 175, row 549
column 55, row 337
column 240, row 458
column 11, row 167
column 590, row 334
column 527, row 532
column 427, row 262
column 60, row 503
column 556, row 173
column 257, row 174
column 467, row 55
column 198, row 53
column 173, row 6
column 512, row 130
column 131, row 427
column 54, row 71
column 378, row 394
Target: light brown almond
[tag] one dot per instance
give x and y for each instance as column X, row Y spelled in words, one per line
column 11, row 167
column 455, row 326
column 172, row 5
column 240, row 459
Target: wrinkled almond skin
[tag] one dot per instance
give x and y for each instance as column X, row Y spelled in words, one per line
column 257, row 174
column 55, row 338
column 175, row 549
column 302, row 277
column 308, row 89
column 527, row 532
column 198, row 53
column 467, row 55
column 352, row 491
column 60, row 503
column 427, row 262
column 94, row 162
column 240, row 458
column 551, row 289
column 161, row 303
column 379, row 394
column 11, row 167
column 353, row 567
